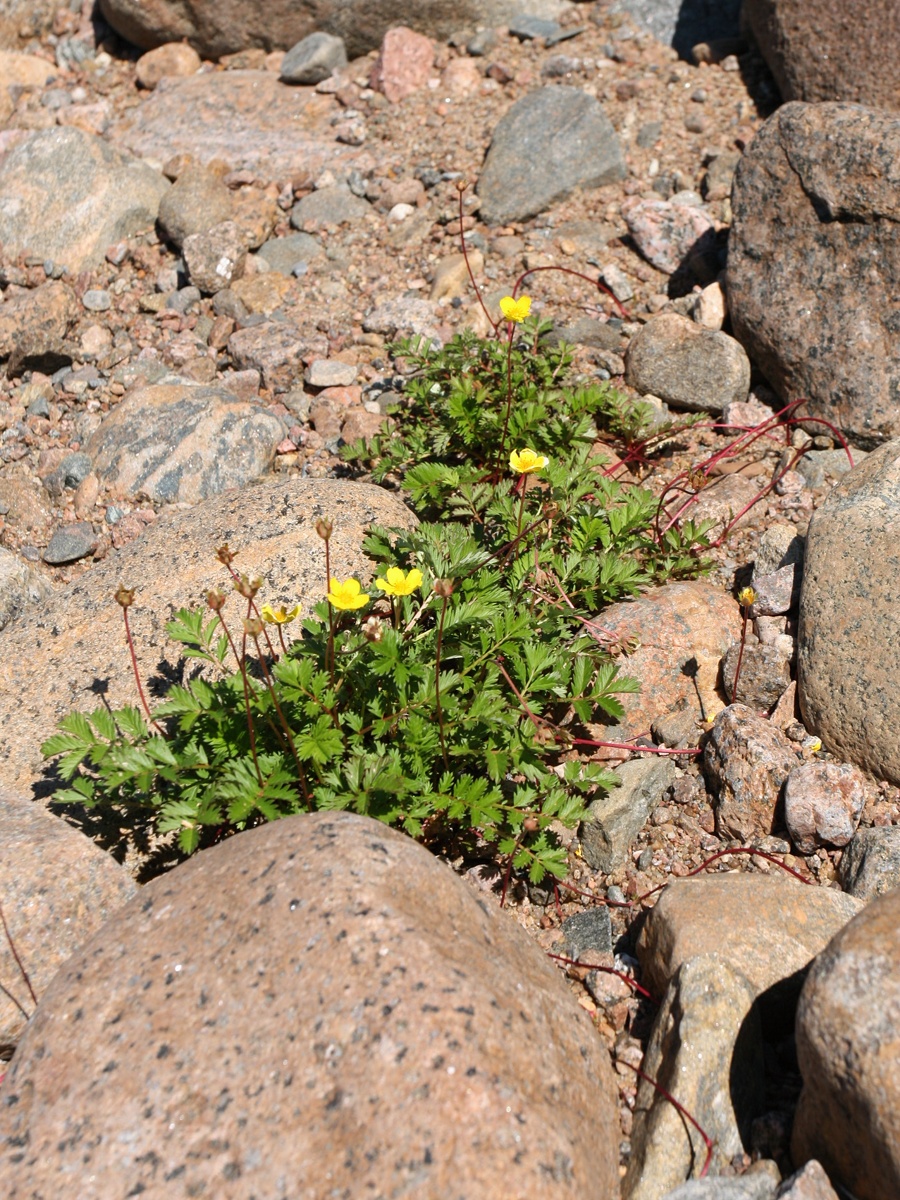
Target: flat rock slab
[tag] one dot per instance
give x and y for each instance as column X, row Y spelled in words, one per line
column 314, row 999
column 849, row 620
column 245, row 118
column 68, row 195
column 56, row 888
column 551, row 141
column 175, row 442
column 814, row 263
column 74, row 646
column 792, row 923
column 848, row 1116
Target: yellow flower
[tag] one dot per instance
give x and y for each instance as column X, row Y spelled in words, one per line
column 279, row 615
column 398, row 584
column 515, row 310
column 525, row 462
column 347, row 596
column 746, row 597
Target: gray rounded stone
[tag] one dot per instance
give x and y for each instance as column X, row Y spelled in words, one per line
column 686, row 365
column 69, row 543
column 552, row 141
column 849, row 623
column 329, row 206
column 870, row 865
column 284, row 254
column 313, row 59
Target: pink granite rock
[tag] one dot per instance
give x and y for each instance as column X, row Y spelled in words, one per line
column 403, row 65
column 823, row 803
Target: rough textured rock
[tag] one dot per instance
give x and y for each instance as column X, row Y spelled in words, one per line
column 56, row 888
column 530, row 164
column 174, row 59
column 403, row 65
column 823, row 803
column 196, row 202
column 684, row 23
column 686, row 365
column 34, row 326
column 313, row 59
column 67, row 195
column 394, row 1046
column 765, row 673
column 818, row 189
column 30, row 18
column 778, row 592
column 230, row 26
column 747, row 761
column 18, row 71
column 706, row 1050
column 792, row 923
column 615, row 820
column 183, row 442
column 870, row 865
column 20, row 586
column 76, row 638
column 848, row 1116
column 274, row 348
column 329, row 206
column 667, row 233
column 671, row 640
column 821, row 50
column 809, row 1183
column 284, row 253
column 849, row 617
column 755, row 1185
column 215, row 258
column 246, row 119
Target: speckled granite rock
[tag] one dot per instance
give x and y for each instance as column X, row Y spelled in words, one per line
column 823, row 802
column 76, row 638
column 699, row 369
column 551, row 141
column 706, row 1050
column 20, row 586
column 56, row 888
column 870, row 865
column 848, row 1116
column 792, row 923
column 747, row 761
column 68, row 195
column 849, row 619
column 315, row 1000
column 34, row 326
column 816, row 189
column 820, row 50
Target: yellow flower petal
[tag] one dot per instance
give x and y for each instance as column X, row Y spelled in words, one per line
column 279, row 615
column 515, row 310
column 396, row 583
column 525, row 461
column 347, row 596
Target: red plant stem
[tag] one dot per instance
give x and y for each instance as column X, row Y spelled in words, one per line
column 737, row 670
column 329, row 653
column 281, row 638
column 465, row 253
column 632, row 983
column 240, row 659
column 437, row 682
column 137, row 675
column 252, row 610
column 509, row 349
column 15, row 955
column 707, row 1141
column 281, row 717
column 578, row 275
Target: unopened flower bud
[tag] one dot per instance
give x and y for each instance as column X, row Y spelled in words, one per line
column 124, row 595
column 462, row 184
column 215, row 599
column 531, row 824
column 443, row 588
column 372, row 629
column 324, row 528
column 224, row 555
column 247, row 587
column 253, row 626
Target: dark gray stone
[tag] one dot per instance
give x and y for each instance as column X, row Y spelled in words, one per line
column 615, row 820
column 684, row 23
column 551, row 141
column 313, row 59
column 589, row 930
column 69, row 543
column 765, row 673
column 526, row 28
column 871, row 863
column 694, row 368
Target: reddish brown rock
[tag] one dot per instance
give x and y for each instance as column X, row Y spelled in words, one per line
column 848, row 616
column 848, row 1116
column 823, row 803
column 76, row 637
column 56, row 890
column 274, row 348
column 671, row 640
column 318, row 999
column 34, row 326
column 747, row 761
column 792, row 923
column 403, row 65
column 816, row 190
column 826, row 50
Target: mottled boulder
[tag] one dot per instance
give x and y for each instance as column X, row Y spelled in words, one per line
column 823, row 803
column 849, row 619
column 747, row 761
column 667, row 232
column 814, row 263
column 792, row 923
column 870, row 865
column 550, row 142
column 702, row 370
column 34, row 328
column 848, row 1116
column 74, row 645
column 68, row 195
column 21, row 586
column 825, row 50
column 318, row 999
column 56, row 888
column 615, row 819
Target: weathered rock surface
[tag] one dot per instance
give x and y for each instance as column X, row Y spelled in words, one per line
column 747, row 761
column 667, row 233
column 870, row 865
column 246, row 119
column 403, row 65
column 706, row 1050
column 530, row 164
column 686, row 365
column 313, row 59
column 823, row 803
column 819, row 50
column 196, row 202
column 28, row 17
column 394, row 1045
column 849, row 616
column 68, row 195
column 755, row 1185
column 673, row 639
column 848, row 1116
column 615, row 820
column 792, row 923
column 56, row 888
column 34, row 328
column 765, row 673
column 174, row 59
column 809, row 1183
column 20, row 586
column 815, row 192
column 76, row 639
